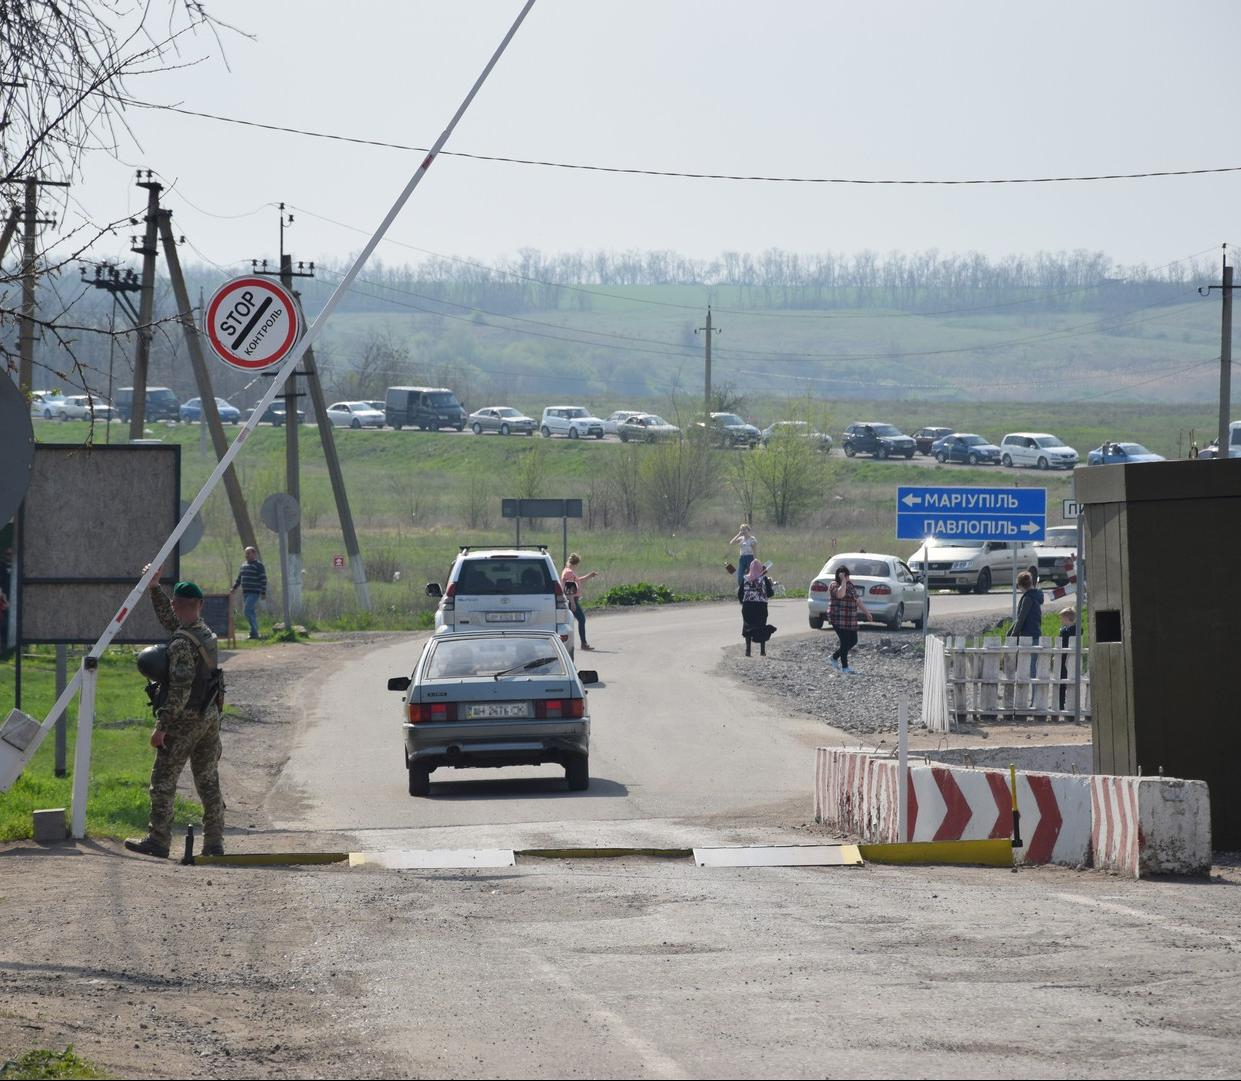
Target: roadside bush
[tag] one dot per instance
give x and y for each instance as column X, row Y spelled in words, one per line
column 677, row 478
column 637, row 593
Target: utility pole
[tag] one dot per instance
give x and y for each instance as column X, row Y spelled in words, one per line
column 30, row 273
column 146, row 307
column 1225, row 354
column 327, row 435
column 210, row 412
column 708, row 330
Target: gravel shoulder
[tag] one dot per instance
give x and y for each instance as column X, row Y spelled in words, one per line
column 798, row 674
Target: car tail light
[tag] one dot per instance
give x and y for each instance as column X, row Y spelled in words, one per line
column 432, row 711
column 555, row 709
column 558, row 589
column 818, row 587
column 881, row 591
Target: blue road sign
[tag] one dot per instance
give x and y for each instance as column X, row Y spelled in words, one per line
column 986, row 514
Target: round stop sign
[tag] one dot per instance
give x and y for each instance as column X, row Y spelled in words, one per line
column 252, row 323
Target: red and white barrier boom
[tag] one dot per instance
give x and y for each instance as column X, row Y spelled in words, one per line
column 21, row 735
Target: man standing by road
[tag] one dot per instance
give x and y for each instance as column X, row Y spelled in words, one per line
column 252, row 578
column 187, row 722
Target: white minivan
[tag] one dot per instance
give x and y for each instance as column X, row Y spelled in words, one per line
column 1036, row 449
column 514, row 588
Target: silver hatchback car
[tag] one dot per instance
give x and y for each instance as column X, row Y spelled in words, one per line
column 495, row 698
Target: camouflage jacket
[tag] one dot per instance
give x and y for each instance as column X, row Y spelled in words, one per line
column 187, row 672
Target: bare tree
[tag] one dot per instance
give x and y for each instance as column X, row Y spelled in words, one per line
column 789, row 472
column 676, row 479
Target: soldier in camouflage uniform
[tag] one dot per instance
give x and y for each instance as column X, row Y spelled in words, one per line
column 187, row 726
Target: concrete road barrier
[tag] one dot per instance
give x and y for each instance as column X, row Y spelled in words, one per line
column 1151, row 825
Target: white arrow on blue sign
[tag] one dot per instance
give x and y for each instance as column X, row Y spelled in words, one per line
column 985, row 514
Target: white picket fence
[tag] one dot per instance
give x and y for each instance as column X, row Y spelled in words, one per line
column 995, row 679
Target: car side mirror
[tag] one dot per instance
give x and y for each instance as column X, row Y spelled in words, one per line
column 588, row 676
column 433, row 589
column 399, row 683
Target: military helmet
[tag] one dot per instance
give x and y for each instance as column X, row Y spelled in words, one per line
column 153, row 663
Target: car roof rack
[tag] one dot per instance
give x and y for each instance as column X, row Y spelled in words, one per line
column 464, row 549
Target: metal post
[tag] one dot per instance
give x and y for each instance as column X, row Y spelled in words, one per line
column 518, row 521
column 1081, row 605
column 902, row 771
column 1225, row 363
column 146, row 311
column 82, row 746
column 282, row 531
column 706, row 382
column 1014, row 582
column 202, row 376
column 328, row 438
column 564, row 536
column 10, row 227
column 62, row 725
column 29, row 277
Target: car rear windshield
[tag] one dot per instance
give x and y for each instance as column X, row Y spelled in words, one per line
column 729, row 418
column 443, row 397
column 161, row 396
column 457, row 658
column 1048, row 441
column 887, row 429
column 1134, row 448
column 866, row 568
column 1060, row 537
column 496, row 577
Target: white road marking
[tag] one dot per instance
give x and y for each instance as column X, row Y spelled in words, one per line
column 1150, row 917
column 654, row 1062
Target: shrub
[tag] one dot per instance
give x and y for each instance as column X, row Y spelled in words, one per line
column 638, row 593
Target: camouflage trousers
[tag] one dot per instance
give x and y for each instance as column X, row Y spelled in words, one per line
column 193, row 738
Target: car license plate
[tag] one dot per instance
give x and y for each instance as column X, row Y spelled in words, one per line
column 496, row 710
column 506, row 617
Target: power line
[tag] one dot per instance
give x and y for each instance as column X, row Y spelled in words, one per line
column 637, row 171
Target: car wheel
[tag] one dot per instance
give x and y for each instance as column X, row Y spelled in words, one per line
column 419, row 779
column 504, row 429
column 573, row 433
column 64, row 417
column 984, row 581
column 965, row 589
column 894, row 624
column 461, row 427
column 816, row 623
column 355, row 423
column 47, row 414
column 973, row 459
column 1042, row 463
column 577, row 773
column 909, row 456
column 477, row 428
column 882, row 452
column 624, row 437
column 598, row 435
column 397, row 426
column 849, row 452
column 545, row 432
column 920, row 622
column 941, row 457
column 1007, row 461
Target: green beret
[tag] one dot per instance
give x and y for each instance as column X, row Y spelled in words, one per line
column 187, row 589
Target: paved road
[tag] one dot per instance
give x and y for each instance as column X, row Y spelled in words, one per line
column 641, row 968
column 671, row 740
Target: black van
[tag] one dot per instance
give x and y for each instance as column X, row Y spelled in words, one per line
column 162, row 404
column 423, row 407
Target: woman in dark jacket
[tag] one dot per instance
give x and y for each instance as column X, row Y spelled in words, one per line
column 1029, row 621
column 755, row 588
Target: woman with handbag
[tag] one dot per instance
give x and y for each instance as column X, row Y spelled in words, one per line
column 753, row 594
column 842, row 614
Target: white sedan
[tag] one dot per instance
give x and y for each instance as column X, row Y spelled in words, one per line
column 47, row 405
column 354, row 415
column 888, row 588
column 611, row 426
column 81, row 407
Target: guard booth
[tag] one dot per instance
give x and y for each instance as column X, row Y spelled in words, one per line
column 1161, row 560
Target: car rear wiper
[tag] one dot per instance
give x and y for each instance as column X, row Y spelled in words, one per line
column 538, row 662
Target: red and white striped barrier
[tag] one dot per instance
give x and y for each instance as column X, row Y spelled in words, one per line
column 1070, row 586
column 1138, row 825
column 1150, row 825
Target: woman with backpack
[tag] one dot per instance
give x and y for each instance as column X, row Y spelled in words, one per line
column 753, row 593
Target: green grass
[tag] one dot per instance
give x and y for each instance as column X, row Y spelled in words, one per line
column 117, row 804
column 1051, row 621
column 44, row 1065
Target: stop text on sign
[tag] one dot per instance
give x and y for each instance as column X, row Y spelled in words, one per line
column 252, row 323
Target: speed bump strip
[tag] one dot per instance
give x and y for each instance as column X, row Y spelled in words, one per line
column 434, row 858
column 780, row 856
column 605, row 853
column 992, row 852
column 270, row 859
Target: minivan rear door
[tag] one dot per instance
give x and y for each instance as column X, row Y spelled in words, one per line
column 504, row 591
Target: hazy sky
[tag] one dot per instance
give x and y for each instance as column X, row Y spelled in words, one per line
column 786, row 87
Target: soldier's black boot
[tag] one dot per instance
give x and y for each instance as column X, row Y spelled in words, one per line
column 213, row 850
column 147, row 847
